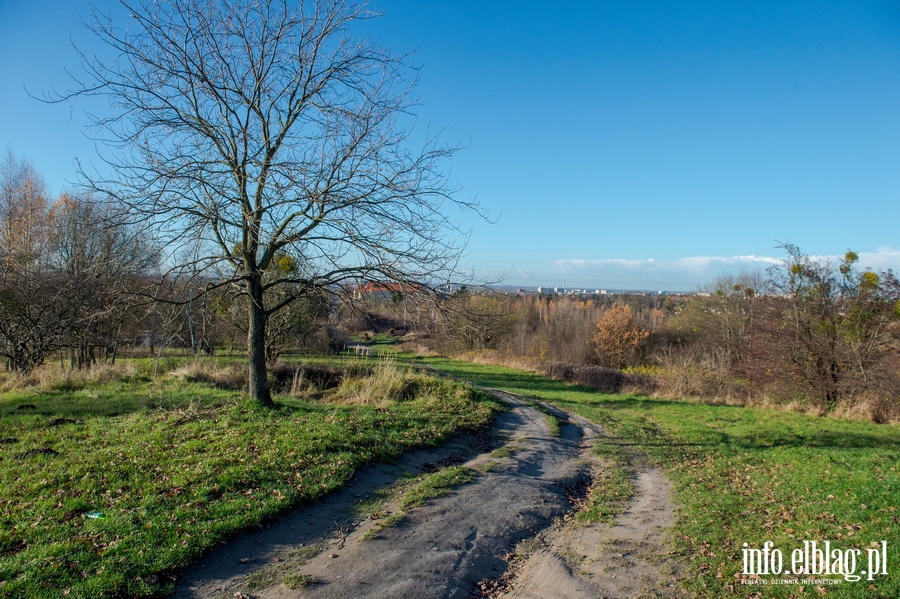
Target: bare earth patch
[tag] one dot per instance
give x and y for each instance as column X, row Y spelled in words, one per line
column 458, row 544
column 625, row 559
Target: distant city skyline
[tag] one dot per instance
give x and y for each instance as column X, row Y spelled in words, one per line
column 640, row 145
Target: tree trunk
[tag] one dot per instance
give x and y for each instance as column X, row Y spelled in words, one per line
column 256, row 347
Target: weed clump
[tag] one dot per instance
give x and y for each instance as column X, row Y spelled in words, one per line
column 389, row 383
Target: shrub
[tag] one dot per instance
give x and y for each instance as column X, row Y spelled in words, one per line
column 618, row 338
column 607, row 380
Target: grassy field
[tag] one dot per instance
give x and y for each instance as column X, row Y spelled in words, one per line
column 110, row 487
column 750, row 476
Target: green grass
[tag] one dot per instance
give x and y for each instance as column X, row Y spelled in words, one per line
column 554, row 424
column 611, row 487
column 507, row 450
column 175, row 467
column 746, row 476
column 298, row 581
column 434, row 485
column 410, row 492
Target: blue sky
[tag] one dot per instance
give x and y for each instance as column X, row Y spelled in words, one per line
column 646, row 145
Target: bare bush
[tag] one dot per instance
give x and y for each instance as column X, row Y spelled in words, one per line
column 607, row 380
column 300, row 379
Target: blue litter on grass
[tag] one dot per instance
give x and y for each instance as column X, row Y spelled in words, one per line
column 97, row 515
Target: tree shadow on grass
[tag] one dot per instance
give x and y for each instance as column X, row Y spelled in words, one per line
column 744, row 428
column 121, row 400
column 711, row 424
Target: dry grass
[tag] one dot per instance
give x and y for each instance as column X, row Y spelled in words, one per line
column 389, row 383
column 384, row 385
column 415, row 347
column 865, row 407
column 495, row 358
column 56, row 377
column 232, row 377
column 870, row 408
column 704, row 382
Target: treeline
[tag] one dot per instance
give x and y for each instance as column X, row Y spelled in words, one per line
column 67, row 266
column 79, row 284
column 819, row 334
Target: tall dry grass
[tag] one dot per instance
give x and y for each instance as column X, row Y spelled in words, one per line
column 389, row 383
column 232, row 377
column 385, row 384
column 55, row 377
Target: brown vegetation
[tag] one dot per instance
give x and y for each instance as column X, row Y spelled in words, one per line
column 618, row 339
column 809, row 335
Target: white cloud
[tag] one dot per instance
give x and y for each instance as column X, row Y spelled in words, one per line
column 692, row 262
column 685, row 274
column 882, row 258
column 680, row 274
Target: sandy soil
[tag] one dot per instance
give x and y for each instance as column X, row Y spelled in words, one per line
column 461, row 544
column 625, row 559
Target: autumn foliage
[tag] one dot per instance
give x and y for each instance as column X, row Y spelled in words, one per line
column 813, row 334
column 618, row 338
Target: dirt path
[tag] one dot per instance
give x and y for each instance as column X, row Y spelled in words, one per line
column 457, row 545
column 625, row 559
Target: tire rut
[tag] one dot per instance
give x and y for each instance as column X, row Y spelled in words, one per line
column 625, row 559
column 447, row 548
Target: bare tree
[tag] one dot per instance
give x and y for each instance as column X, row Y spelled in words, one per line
column 31, row 306
column 476, row 320
column 263, row 131
column 23, row 215
column 103, row 264
column 719, row 319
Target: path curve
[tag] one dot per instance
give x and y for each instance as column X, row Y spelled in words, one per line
column 627, row 558
column 458, row 544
